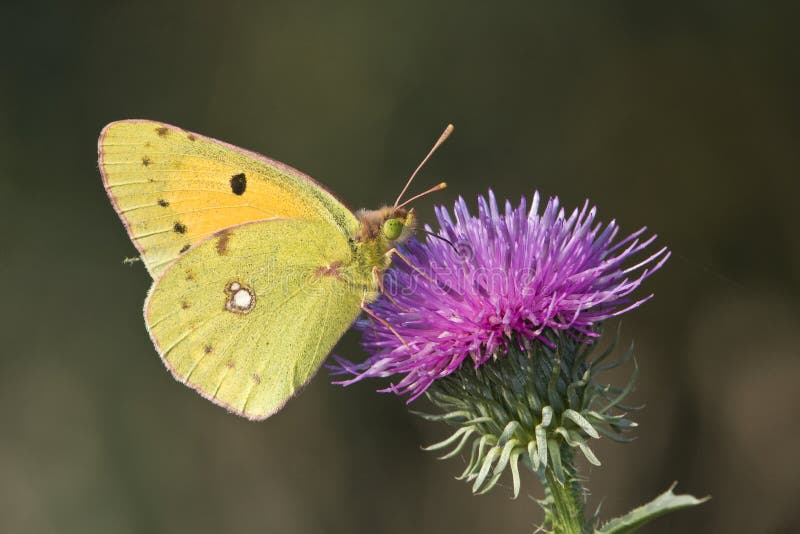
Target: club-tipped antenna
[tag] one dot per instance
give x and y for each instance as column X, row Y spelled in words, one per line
column 442, row 138
column 433, row 189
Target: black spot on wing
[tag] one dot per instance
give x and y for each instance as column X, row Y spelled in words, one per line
column 238, row 183
column 179, row 228
column 162, row 131
column 146, row 161
column 185, row 248
column 191, row 137
column 163, row 203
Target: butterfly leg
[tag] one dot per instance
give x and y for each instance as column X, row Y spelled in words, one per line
column 384, row 322
column 379, row 281
column 408, row 262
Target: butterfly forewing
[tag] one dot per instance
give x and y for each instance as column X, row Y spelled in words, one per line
column 174, row 188
column 247, row 315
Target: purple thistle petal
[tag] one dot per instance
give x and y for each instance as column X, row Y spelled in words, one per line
column 507, row 278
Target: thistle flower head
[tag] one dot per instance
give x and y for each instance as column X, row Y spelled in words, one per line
column 495, row 281
column 529, row 290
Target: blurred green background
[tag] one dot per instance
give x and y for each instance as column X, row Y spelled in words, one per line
column 683, row 116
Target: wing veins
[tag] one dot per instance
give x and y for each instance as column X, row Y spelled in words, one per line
column 258, row 340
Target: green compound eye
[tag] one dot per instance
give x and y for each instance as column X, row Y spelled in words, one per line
column 392, row 228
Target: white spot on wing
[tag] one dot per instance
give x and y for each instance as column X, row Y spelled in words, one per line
column 240, row 298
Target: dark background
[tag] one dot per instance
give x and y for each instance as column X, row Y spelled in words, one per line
column 682, row 116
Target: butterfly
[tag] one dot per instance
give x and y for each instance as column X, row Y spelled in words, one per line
column 257, row 269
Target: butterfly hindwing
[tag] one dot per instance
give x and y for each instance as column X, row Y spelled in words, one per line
column 174, row 188
column 247, row 315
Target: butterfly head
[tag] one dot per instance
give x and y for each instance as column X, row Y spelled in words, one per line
column 395, row 225
column 399, row 225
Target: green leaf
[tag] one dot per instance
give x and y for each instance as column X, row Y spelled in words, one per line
column 504, row 457
column 472, row 460
column 541, row 434
column 442, row 417
column 515, row 471
column 493, row 453
column 666, row 502
column 628, row 388
column 457, row 448
column 508, row 432
column 555, row 460
column 524, row 414
column 533, row 455
column 589, row 454
column 579, row 420
column 478, row 420
column 541, row 445
column 597, row 369
column 615, row 436
column 609, row 350
column 552, row 386
column 444, row 443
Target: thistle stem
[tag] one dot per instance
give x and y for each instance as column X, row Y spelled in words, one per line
column 564, row 500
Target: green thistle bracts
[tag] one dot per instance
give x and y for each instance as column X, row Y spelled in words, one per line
column 540, row 405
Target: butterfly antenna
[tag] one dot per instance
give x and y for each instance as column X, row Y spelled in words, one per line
column 442, row 139
column 433, row 189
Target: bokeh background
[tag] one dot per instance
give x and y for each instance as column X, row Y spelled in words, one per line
column 683, row 116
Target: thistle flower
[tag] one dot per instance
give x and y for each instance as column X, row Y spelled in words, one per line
column 497, row 280
column 494, row 318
